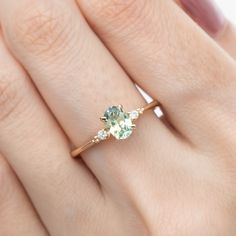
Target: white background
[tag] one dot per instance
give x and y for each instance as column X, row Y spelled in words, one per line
column 229, row 8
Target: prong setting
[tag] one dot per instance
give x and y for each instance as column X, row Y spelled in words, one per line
column 103, row 119
column 121, row 107
column 140, row 111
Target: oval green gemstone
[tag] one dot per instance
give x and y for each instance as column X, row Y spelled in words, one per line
column 118, row 122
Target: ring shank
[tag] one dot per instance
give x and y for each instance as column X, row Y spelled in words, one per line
column 151, row 105
column 92, row 142
column 77, row 151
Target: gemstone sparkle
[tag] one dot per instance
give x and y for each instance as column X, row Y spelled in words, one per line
column 134, row 115
column 102, row 134
column 118, row 123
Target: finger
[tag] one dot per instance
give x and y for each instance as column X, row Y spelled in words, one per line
column 17, row 215
column 37, row 149
column 171, row 59
column 212, row 20
column 79, row 79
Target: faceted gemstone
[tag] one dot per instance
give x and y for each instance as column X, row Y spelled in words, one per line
column 102, row 134
column 118, row 122
column 134, row 115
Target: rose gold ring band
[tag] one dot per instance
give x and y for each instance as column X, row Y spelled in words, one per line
column 104, row 134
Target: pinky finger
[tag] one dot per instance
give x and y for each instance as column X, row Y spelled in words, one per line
column 17, row 215
column 208, row 15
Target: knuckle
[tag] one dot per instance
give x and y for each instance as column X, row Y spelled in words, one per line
column 10, row 95
column 42, row 27
column 122, row 12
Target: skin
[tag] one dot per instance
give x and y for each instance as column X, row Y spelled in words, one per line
column 57, row 77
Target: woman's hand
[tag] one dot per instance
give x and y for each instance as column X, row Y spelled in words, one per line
column 175, row 177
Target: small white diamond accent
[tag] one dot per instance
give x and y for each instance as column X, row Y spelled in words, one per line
column 102, row 134
column 134, row 115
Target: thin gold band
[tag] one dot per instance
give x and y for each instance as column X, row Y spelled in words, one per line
column 95, row 140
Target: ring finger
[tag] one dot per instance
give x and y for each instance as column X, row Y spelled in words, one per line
column 193, row 78
column 79, row 78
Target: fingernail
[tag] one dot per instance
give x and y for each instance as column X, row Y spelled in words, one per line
column 206, row 13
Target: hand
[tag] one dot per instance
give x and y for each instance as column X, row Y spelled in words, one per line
column 175, row 177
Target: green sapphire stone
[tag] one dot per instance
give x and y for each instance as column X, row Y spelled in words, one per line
column 118, row 123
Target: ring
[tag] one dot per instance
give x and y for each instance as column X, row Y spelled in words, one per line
column 118, row 123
